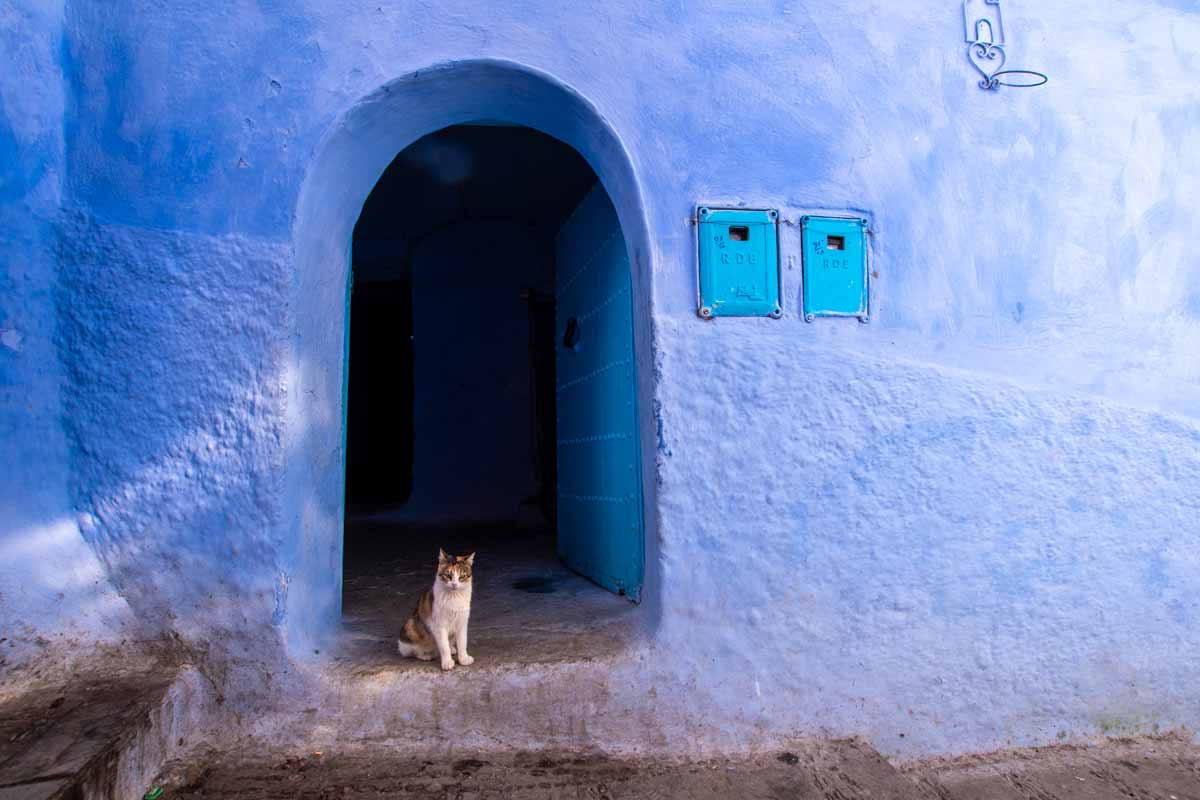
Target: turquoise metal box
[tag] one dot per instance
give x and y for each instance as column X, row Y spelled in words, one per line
column 739, row 262
column 836, row 281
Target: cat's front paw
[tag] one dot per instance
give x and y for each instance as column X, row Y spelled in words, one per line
column 447, row 664
column 465, row 659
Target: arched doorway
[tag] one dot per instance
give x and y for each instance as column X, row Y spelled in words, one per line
column 479, row 95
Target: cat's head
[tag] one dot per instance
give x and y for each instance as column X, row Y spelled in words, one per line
column 454, row 572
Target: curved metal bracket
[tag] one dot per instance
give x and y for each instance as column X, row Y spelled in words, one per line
column 983, row 30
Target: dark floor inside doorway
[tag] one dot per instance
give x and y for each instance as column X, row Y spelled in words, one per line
column 526, row 608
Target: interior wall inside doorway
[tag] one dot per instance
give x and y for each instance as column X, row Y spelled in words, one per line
column 474, row 440
column 462, row 225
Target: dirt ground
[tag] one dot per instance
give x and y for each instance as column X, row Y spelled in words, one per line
column 1143, row 769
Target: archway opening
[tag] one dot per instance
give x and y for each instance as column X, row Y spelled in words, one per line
column 347, row 165
column 491, row 401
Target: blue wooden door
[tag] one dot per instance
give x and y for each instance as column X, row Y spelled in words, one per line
column 599, row 471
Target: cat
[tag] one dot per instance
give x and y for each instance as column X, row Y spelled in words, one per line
column 438, row 625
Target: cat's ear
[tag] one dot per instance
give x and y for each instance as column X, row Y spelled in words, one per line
column 470, row 560
column 442, row 557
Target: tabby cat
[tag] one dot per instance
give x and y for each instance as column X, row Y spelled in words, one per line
column 438, row 625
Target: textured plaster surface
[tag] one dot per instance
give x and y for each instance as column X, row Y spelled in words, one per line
column 970, row 523
column 174, row 411
column 54, row 593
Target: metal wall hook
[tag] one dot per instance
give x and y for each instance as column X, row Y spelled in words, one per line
column 983, row 29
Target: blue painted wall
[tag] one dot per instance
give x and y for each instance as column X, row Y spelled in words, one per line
column 54, row 590
column 980, row 509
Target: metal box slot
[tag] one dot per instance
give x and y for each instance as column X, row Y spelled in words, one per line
column 738, row 262
column 836, row 282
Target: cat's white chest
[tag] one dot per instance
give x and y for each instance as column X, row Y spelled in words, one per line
column 451, row 609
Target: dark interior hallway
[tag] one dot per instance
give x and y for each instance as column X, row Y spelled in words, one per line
column 451, row 416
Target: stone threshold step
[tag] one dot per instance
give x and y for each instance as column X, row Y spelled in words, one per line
column 104, row 730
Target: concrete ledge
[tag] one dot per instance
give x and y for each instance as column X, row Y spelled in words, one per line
column 106, row 733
